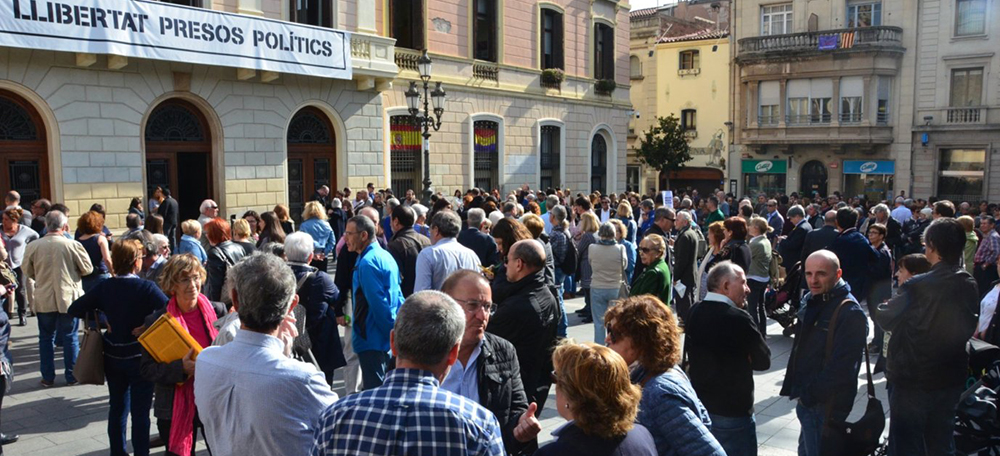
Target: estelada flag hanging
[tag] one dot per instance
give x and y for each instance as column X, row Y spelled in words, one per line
column 486, row 139
column 847, row 40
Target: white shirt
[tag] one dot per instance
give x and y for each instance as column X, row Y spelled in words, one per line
column 987, row 307
column 605, row 215
column 463, row 380
column 712, row 296
column 901, row 214
column 437, row 262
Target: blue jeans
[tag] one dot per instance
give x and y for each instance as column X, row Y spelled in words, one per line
column 373, row 364
column 127, row 392
column 737, row 435
column 600, row 300
column 922, row 422
column 50, row 326
column 811, row 421
column 570, row 284
column 563, row 320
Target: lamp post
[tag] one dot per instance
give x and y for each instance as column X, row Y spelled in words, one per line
column 425, row 120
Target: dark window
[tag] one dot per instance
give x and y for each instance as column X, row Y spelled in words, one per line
column 313, row 12
column 599, row 164
column 404, row 153
column 604, row 52
column 689, row 60
column 194, row 3
column 486, row 154
column 486, row 30
column 407, row 19
column 549, row 157
column 552, row 39
column 689, row 119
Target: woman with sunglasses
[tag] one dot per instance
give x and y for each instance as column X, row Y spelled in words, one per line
column 655, row 279
column 594, row 394
column 644, row 332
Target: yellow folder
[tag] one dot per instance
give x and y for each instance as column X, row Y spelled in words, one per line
column 166, row 341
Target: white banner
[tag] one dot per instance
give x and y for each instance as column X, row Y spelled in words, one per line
column 163, row 31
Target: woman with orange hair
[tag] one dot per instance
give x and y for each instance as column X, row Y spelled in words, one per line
column 594, row 393
column 224, row 254
column 644, row 332
column 91, row 226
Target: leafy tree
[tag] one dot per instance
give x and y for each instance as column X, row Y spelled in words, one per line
column 665, row 147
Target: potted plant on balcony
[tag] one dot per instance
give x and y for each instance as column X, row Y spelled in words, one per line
column 553, row 77
column 605, row 86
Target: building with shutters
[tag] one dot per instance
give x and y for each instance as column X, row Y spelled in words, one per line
column 823, row 97
column 505, row 125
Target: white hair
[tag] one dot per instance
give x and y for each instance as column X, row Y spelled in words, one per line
column 495, row 217
column 926, row 212
column 420, row 210
column 298, row 247
column 205, row 204
column 160, row 240
column 684, row 215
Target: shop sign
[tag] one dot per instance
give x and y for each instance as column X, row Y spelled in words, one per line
column 163, row 31
column 869, row 167
column 765, row 166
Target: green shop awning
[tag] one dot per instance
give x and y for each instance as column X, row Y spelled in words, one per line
column 765, row 166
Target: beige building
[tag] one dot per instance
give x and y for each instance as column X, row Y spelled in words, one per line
column 505, row 123
column 823, row 95
column 956, row 128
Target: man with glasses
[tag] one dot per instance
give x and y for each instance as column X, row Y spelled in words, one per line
column 774, row 220
column 607, row 212
column 209, row 210
column 528, row 317
column 376, row 296
column 487, row 369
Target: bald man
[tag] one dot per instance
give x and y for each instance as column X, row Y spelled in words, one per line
column 528, row 318
column 815, row 380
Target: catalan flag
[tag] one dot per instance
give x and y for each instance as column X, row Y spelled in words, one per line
column 846, row 40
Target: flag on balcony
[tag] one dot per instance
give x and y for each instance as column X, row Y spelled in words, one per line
column 828, row 42
column 847, row 40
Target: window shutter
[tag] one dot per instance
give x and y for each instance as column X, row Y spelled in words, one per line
column 557, row 40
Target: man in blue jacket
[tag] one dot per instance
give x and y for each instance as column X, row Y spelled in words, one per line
column 854, row 251
column 824, row 379
column 377, row 297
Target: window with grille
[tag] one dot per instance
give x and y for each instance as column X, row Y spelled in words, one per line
column 485, row 31
column 604, row 52
column 776, row 19
column 407, row 23
column 970, row 17
column 404, row 154
column 966, row 87
column 552, row 39
column 312, row 12
column 486, row 155
column 549, row 156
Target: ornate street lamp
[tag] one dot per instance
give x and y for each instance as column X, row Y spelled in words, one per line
column 425, row 119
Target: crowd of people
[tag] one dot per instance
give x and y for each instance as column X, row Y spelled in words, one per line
column 454, row 322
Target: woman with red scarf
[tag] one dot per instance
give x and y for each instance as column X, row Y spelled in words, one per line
column 176, row 417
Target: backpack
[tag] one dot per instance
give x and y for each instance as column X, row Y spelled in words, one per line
column 570, row 258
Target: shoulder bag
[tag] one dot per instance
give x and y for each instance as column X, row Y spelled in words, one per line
column 860, row 438
column 89, row 369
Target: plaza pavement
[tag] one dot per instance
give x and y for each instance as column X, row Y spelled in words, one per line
column 65, row 420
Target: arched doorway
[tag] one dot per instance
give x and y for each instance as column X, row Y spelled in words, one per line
column 23, row 154
column 813, row 178
column 312, row 157
column 178, row 155
column 599, row 164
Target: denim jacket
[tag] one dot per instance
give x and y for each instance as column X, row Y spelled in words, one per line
column 674, row 415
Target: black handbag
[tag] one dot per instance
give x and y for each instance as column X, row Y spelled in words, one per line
column 860, row 438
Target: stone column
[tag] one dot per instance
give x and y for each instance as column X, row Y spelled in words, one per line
column 782, row 103
column 866, row 103
column 366, row 16
column 835, row 121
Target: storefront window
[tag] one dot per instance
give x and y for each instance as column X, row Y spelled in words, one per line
column 962, row 174
column 764, row 176
column 872, row 178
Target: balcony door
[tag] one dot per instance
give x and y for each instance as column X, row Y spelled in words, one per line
column 312, row 158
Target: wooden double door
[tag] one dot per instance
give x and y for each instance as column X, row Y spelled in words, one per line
column 179, row 156
column 312, row 158
column 24, row 165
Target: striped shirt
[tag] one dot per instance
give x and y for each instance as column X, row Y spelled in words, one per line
column 408, row 415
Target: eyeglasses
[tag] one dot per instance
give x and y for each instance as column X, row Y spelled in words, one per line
column 352, row 233
column 473, row 305
column 647, row 250
column 213, row 207
column 611, row 333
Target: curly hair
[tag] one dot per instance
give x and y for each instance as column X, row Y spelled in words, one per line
column 179, row 268
column 652, row 329
column 91, row 222
column 595, row 381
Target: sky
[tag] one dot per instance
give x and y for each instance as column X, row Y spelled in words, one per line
column 639, row 4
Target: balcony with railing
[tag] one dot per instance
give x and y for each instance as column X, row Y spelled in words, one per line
column 372, row 60
column 967, row 115
column 883, row 39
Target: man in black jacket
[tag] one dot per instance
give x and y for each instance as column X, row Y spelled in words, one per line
column 527, row 318
column 686, row 262
column 724, row 348
column 169, row 211
column 821, row 238
column 825, row 379
column 931, row 319
column 791, row 246
column 477, row 241
column 487, row 370
column 405, row 245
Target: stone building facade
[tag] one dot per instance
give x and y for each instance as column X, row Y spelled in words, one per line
column 823, row 95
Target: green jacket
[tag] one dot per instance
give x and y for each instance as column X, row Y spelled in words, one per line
column 654, row 280
column 713, row 217
column 971, row 244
